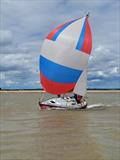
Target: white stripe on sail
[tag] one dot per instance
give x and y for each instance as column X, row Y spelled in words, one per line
column 81, row 85
column 72, row 32
column 64, row 53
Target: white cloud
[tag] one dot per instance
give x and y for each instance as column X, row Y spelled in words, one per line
column 115, row 70
column 5, row 37
column 94, row 80
column 101, row 73
column 2, row 76
column 9, row 82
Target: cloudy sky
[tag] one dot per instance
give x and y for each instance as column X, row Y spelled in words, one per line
column 25, row 23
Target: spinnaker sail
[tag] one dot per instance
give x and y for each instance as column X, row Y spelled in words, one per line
column 64, row 57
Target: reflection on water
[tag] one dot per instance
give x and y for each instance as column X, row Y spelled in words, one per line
column 30, row 134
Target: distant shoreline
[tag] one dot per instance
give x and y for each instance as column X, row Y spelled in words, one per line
column 42, row 91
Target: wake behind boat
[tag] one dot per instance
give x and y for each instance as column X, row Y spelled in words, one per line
column 63, row 64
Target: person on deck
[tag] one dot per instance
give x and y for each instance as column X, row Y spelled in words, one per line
column 58, row 95
column 78, row 98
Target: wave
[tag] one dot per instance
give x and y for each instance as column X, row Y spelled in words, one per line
column 96, row 105
column 101, row 105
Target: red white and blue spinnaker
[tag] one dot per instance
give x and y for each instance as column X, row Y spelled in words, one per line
column 64, row 58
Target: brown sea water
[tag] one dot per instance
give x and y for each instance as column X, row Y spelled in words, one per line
column 29, row 134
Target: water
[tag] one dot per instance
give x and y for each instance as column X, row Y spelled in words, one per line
column 30, row 134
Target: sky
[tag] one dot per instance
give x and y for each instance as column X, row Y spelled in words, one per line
column 24, row 24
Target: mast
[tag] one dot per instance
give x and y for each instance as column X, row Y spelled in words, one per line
column 88, row 14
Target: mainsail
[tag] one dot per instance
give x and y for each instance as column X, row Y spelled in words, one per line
column 64, row 58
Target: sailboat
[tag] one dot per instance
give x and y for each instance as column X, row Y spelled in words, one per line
column 63, row 64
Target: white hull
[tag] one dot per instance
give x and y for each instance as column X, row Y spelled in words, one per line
column 62, row 103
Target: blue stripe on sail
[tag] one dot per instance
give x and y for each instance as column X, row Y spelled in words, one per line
column 81, row 37
column 58, row 73
column 59, row 31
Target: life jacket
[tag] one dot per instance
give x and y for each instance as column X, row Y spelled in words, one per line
column 79, row 98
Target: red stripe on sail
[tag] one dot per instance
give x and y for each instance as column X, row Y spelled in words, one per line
column 54, row 87
column 51, row 34
column 87, row 44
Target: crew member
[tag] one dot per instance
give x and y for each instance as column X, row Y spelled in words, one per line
column 78, row 98
column 58, row 96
